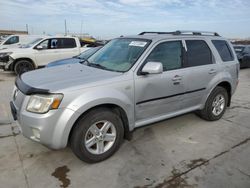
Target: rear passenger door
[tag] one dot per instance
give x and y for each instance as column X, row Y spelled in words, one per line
column 68, row 47
column 200, row 70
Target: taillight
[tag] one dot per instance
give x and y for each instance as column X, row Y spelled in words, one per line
column 237, row 70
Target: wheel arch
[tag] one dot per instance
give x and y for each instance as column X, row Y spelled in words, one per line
column 19, row 59
column 114, row 108
column 228, row 88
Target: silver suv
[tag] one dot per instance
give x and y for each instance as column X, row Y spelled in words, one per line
column 131, row 82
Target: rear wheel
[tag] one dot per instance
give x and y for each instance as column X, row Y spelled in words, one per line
column 97, row 135
column 215, row 105
column 23, row 66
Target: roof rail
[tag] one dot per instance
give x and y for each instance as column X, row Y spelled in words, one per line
column 180, row 32
column 198, row 33
column 153, row 32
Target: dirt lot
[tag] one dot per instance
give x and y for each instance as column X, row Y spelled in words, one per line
column 185, row 151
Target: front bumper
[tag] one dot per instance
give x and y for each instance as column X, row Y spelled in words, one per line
column 5, row 62
column 50, row 129
column 13, row 110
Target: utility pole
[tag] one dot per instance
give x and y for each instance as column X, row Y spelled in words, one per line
column 81, row 28
column 65, row 27
column 27, row 28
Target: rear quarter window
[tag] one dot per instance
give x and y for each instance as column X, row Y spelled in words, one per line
column 223, row 49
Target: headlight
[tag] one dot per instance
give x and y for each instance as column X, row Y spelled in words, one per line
column 5, row 54
column 43, row 103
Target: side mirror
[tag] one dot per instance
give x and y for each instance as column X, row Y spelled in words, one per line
column 152, row 68
column 39, row 47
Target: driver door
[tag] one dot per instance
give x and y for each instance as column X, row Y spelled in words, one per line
column 49, row 52
column 161, row 94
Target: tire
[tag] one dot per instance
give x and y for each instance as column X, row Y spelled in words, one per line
column 211, row 113
column 84, row 132
column 23, row 66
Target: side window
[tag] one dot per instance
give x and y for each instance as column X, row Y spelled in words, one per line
column 224, row 50
column 198, row 53
column 66, row 43
column 168, row 53
column 12, row 40
column 54, row 43
column 44, row 44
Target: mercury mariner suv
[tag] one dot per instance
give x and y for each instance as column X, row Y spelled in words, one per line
column 132, row 81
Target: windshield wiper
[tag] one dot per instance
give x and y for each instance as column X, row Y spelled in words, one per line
column 82, row 60
column 97, row 66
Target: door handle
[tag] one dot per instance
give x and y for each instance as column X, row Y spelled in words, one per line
column 177, row 78
column 212, row 71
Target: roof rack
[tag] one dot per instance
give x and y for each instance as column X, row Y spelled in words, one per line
column 153, row 32
column 178, row 32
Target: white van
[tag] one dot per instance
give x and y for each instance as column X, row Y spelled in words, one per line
column 14, row 41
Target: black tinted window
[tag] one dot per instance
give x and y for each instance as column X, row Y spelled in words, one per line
column 223, row 49
column 198, row 53
column 67, row 43
column 169, row 54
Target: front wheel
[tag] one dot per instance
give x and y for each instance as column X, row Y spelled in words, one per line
column 97, row 135
column 23, row 66
column 215, row 105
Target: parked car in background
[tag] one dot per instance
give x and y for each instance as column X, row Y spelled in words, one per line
column 39, row 53
column 91, row 42
column 76, row 59
column 243, row 55
column 2, row 38
column 14, row 41
column 130, row 82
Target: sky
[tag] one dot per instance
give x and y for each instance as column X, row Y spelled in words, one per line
column 112, row 18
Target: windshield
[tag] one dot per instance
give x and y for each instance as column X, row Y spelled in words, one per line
column 31, row 43
column 119, row 54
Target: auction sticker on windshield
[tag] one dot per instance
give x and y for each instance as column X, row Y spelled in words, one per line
column 138, row 43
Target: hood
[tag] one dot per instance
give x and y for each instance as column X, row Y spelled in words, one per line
column 67, row 77
column 64, row 62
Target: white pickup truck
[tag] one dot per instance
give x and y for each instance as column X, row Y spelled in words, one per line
column 39, row 53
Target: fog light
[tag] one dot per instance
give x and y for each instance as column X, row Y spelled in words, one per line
column 36, row 133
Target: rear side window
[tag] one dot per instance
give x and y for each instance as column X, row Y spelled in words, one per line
column 66, row 43
column 223, row 49
column 198, row 53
